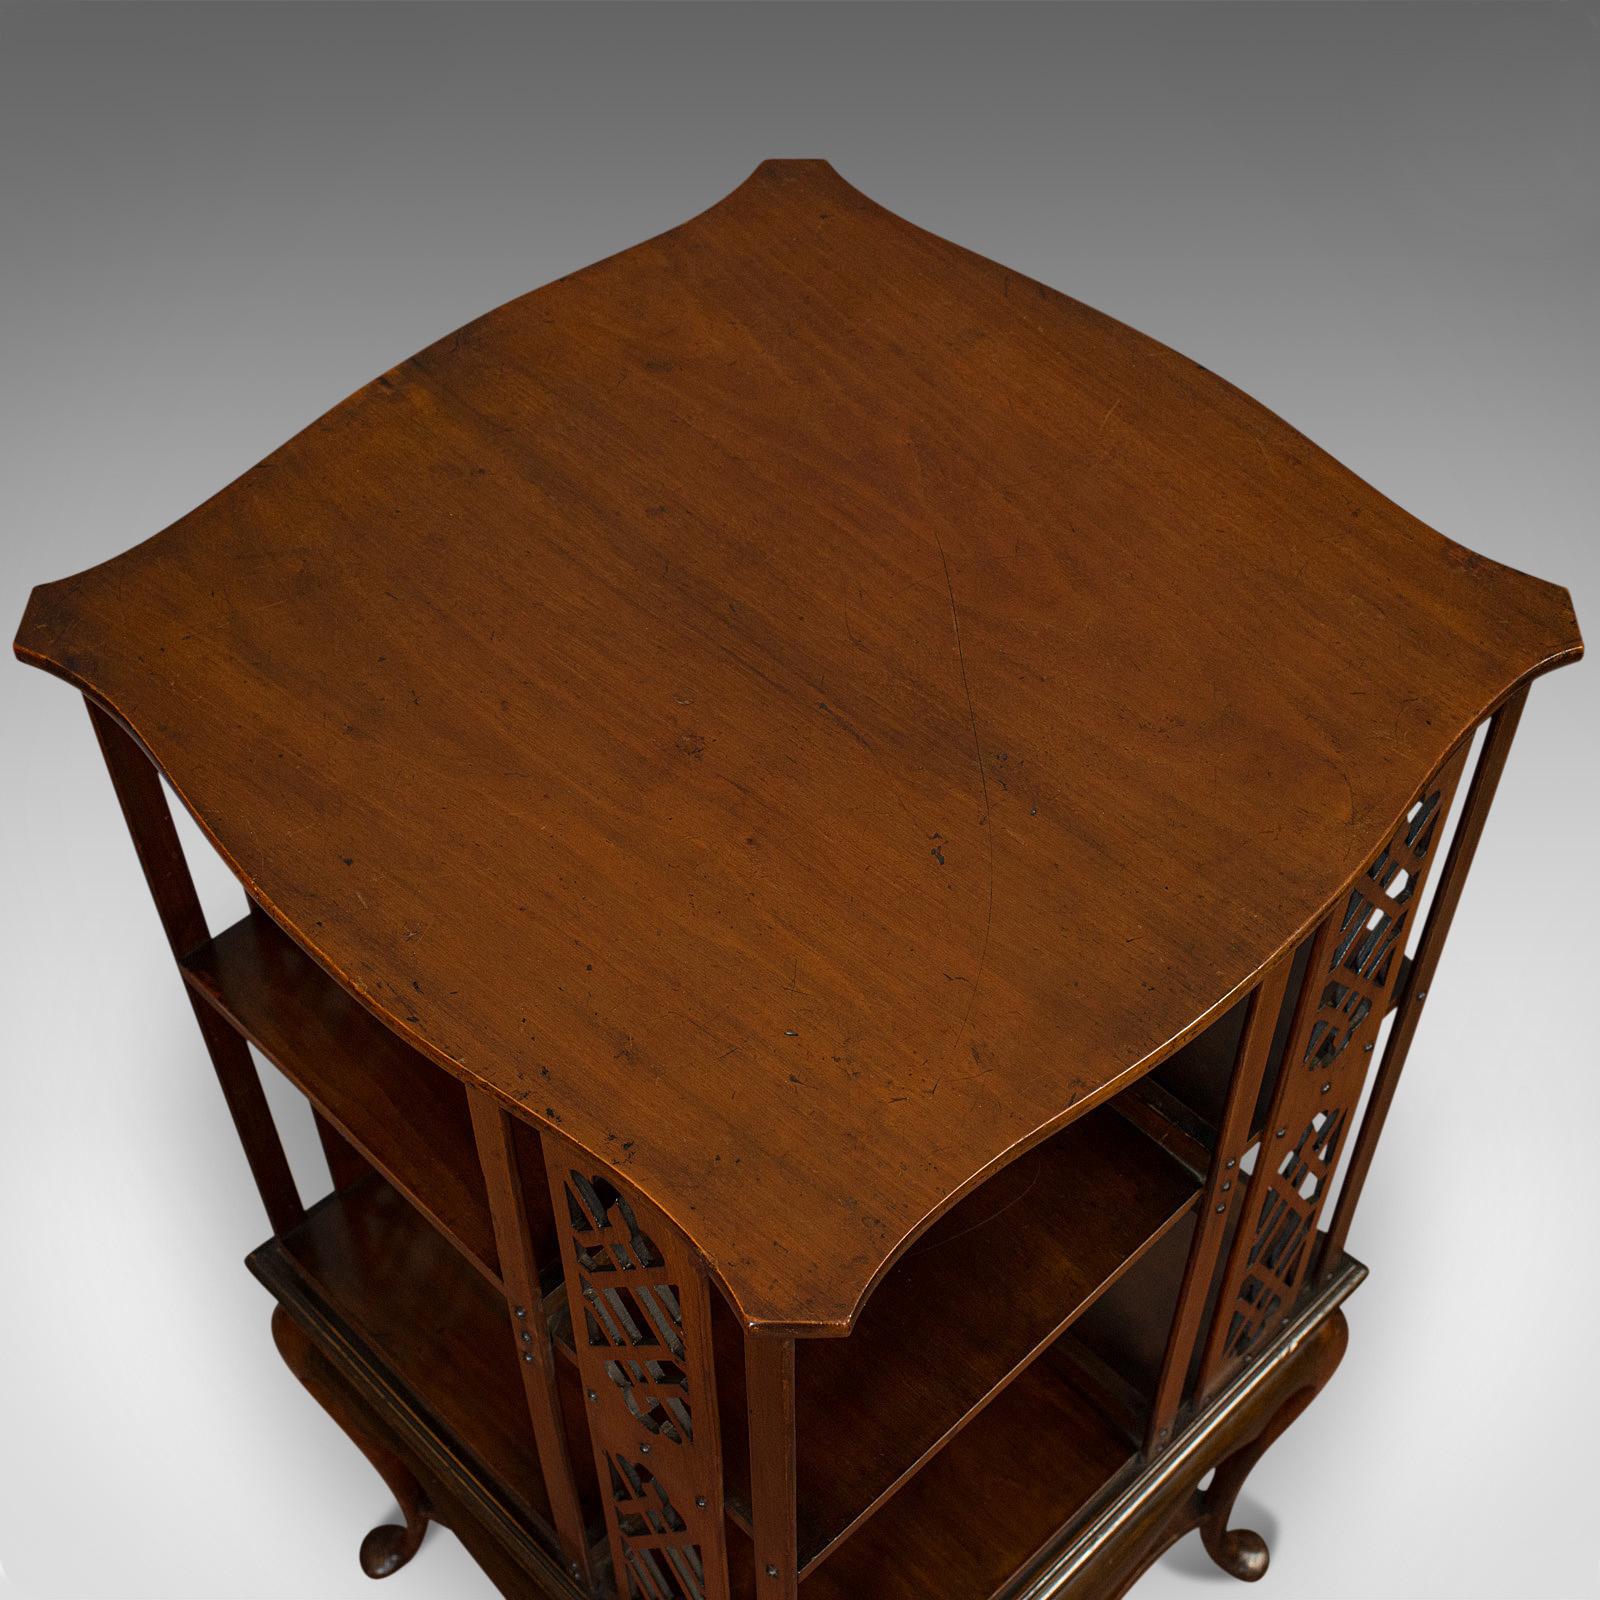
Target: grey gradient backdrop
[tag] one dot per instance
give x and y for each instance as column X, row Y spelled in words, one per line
column 217, row 221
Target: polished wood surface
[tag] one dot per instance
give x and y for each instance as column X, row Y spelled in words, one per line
column 437, row 1327
column 798, row 708
column 975, row 1516
column 407, row 1117
column 528, row 1331
column 155, row 841
column 977, row 1298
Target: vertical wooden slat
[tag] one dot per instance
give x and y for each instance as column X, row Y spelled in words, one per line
column 1243, row 1237
column 769, row 1387
column 1223, row 1189
column 155, row 840
column 519, row 1271
column 1474, row 813
column 1355, row 964
column 346, row 1164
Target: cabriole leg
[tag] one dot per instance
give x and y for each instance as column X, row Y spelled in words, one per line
column 1240, row 1551
column 388, row 1547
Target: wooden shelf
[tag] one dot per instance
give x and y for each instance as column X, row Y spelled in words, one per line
column 407, row 1117
column 436, row 1328
column 979, row 1512
column 982, row 1294
column 1180, row 1104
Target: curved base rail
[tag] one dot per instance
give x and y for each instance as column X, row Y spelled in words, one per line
column 1159, row 1501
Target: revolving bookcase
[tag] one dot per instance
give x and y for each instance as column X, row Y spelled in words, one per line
column 848, row 853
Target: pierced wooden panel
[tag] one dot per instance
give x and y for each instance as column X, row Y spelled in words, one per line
column 1354, row 965
column 663, row 1559
column 641, row 1318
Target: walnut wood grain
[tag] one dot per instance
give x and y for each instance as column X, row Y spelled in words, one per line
column 798, row 708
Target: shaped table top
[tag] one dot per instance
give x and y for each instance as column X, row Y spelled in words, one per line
column 799, row 708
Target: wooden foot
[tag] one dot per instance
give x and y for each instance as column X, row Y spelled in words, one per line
column 1239, row 1551
column 389, row 1546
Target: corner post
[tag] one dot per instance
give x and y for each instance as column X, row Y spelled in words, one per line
column 155, row 840
column 1343, row 999
column 1223, row 1189
column 1452, row 879
column 519, row 1273
column 770, row 1402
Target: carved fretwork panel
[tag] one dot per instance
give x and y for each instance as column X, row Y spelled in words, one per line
column 1354, row 965
column 641, row 1327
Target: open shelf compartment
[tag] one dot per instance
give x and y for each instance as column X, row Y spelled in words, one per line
column 405, row 1115
column 978, row 1514
column 436, row 1331
column 983, row 1294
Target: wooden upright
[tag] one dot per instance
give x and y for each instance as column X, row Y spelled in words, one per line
column 833, row 837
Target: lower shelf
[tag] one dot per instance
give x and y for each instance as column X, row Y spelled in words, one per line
column 1034, row 1479
column 371, row 1268
column 984, row 1292
column 978, row 1513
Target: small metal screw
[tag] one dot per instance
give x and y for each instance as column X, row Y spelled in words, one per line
column 700, row 1500
column 1326, row 1087
column 1222, row 1205
column 575, row 1570
column 527, row 1338
column 1227, row 1184
column 521, row 1311
column 772, row 1571
column 644, row 1449
column 1282, row 1132
column 527, row 1355
column 1232, row 1162
column 1422, row 994
column 1366, row 1049
column 593, row 1395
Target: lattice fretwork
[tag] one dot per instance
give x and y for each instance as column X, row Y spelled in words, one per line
column 641, row 1320
column 1353, row 967
column 663, row 1561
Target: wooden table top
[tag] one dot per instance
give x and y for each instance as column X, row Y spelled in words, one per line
column 799, row 708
